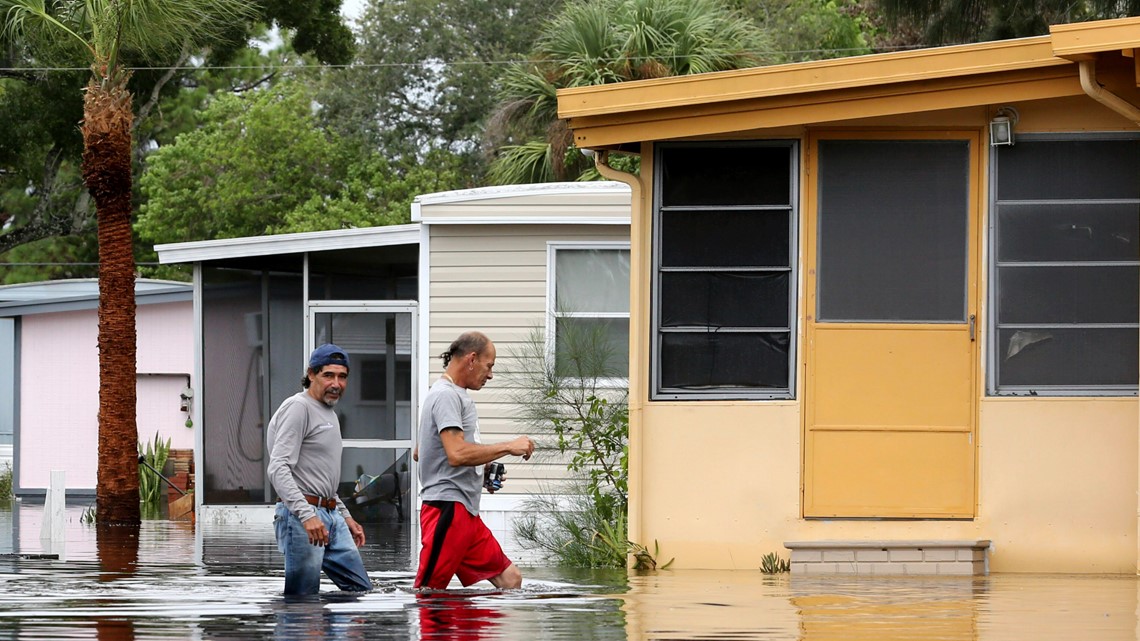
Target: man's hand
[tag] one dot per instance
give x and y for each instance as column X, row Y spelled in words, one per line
column 318, row 533
column 521, row 446
column 356, row 530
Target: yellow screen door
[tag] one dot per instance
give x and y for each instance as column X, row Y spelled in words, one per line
column 891, row 358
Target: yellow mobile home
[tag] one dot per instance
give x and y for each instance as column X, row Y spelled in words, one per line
column 884, row 309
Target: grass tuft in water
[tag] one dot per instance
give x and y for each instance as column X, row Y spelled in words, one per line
column 771, row 563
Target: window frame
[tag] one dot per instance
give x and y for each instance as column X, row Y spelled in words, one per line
column 993, row 386
column 656, row 391
column 553, row 314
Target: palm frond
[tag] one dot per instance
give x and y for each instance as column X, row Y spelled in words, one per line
column 522, row 164
column 107, row 28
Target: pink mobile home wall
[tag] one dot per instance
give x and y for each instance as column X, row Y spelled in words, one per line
column 59, row 388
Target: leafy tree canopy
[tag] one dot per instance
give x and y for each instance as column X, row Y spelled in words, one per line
column 41, row 100
column 261, row 164
column 425, row 74
column 960, row 21
column 813, row 29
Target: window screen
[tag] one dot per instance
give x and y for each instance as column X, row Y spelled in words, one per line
column 893, row 220
column 724, row 270
column 1065, row 275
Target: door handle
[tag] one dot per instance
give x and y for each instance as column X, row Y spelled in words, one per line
column 973, row 326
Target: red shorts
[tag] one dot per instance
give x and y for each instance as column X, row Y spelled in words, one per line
column 456, row 544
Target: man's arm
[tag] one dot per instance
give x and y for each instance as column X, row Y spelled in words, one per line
column 283, row 457
column 460, row 453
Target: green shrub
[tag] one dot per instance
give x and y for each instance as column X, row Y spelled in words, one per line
column 578, row 410
column 5, row 482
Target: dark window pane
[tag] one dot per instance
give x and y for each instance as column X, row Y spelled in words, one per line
column 1097, row 294
column 592, row 347
column 710, row 359
column 1066, row 169
column 373, row 379
column 893, row 223
column 725, row 238
column 1068, row 357
column 1068, row 232
column 725, row 175
column 724, row 299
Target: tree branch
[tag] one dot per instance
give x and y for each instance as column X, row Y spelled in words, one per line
column 156, row 95
column 51, row 217
column 264, row 79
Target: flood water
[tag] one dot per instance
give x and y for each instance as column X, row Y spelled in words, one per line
column 165, row 581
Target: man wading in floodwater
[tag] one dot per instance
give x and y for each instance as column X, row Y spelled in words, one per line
column 314, row 529
column 455, row 540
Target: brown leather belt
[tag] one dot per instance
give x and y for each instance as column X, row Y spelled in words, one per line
column 328, row 504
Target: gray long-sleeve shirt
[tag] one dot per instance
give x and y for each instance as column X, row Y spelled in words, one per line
column 303, row 441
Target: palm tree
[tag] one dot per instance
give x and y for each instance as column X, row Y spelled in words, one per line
column 961, row 21
column 604, row 41
column 103, row 33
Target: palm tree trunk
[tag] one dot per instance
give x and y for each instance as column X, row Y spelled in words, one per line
column 106, row 129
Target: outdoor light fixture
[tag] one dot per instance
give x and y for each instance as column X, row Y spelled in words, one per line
column 1001, row 127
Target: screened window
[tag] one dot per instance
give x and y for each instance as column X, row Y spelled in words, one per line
column 589, row 309
column 724, row 282
column 1065, row 228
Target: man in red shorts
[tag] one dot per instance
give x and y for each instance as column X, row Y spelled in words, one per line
column 451, row 457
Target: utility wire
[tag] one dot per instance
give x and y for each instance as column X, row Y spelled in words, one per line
column 384, row 65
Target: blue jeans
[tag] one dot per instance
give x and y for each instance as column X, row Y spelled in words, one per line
column 304, row 561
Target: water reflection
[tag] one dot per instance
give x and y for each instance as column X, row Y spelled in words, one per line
column 304, row 618
column 114, row 629
column 167, row 581
column 451, row 616
column 117, row 548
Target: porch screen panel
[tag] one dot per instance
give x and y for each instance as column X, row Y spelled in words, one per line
column 893, row 220
column 251, row 359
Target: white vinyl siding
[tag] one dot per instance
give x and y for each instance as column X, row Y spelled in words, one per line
column 493, row 278
column 486, row 269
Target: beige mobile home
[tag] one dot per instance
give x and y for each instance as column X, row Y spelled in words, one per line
column 887, row 306
column 498, row 259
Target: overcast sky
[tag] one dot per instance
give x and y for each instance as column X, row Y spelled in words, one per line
column 351, row 9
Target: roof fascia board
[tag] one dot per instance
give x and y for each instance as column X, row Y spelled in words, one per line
column 784, row 111
column 288, row 243
column 81, row 303
column 1082, row 40
column 809, row 77
column 506, row 192
column 528, row 220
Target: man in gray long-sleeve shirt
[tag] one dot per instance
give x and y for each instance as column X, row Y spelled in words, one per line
column 314, row 529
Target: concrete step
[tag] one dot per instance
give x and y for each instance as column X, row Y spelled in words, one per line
column 887, row 557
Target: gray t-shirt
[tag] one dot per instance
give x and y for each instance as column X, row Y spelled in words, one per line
column 303, row 441
column 448, row 405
